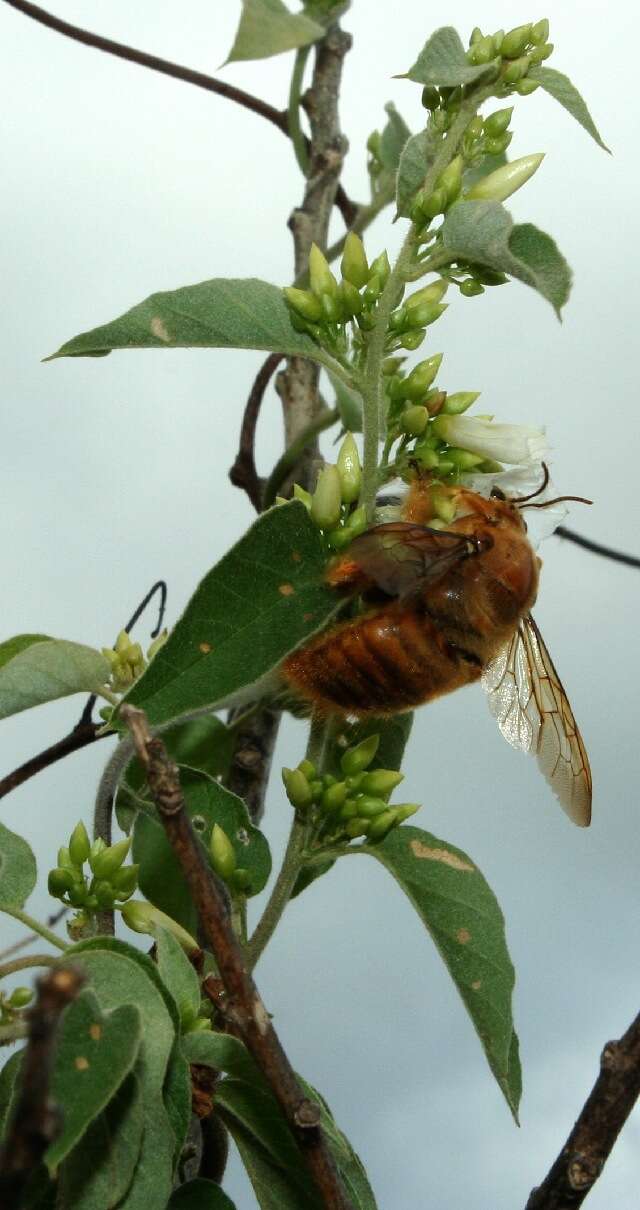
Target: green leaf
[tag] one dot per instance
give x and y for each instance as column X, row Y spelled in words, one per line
column 393, row 138
column 9, row 1077
column 161, row 880
column 95, row 1052
column 275, row 1187
column 268, row 28
column 224, row 313
column 223, row 1052
column 18, row 872
column 177, row 974
column 120, row 974
column 101, row 1169
column 265, row 597
column 200, row 1195
column 417, row 156
column 348, row 403
column 394, row 733
column 177, row 1098
column 464, row 919
column 484, row 233
column 36, row 669
column 443, row 62
column 562, row 90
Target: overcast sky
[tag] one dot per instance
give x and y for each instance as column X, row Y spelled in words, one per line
column 117, row 183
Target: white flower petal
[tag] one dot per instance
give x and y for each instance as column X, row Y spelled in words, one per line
column 515, row 443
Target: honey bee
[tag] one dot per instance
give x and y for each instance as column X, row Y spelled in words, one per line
column 440, row 608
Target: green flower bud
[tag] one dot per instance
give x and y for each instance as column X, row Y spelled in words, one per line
column 321, row 278
column 334, row 797
column 421, row 377
column 60, row 881
column 398, row 319
column 405, row 810
column 331, row 309
column 524, row 88
column 316, row 787
column 304, row 302
column 516, row 70
column 497, row 122
column 355, row 760
column 464, row 460
column 373, row 143
column 540, row 32
column 499, row 144
column 434, row 203
column 308, row 768
column 476, row 35
column 540, row 53
column 104, row 895
column 426, row 455
column 77, row 894
column 354, row 265
column 490, row 467
column 381, row 268
column 356, row 827
column 300, row 493
column 200, row 1024
column 444, row 468
column 471, row 288
column 498, row 39
column 378, row 827
column 457, row 403
column 349, row 809
column 222, row 853
column 499, row 185
column 369, row 806
column 514, row 43
column 79, row 844
column 123, row 643
column 372, row 290
column 297, row 788
column 391, row 364
column 474, row 129
column 433, row 293
column 64, row 858
column 451, row 179
column 356, row 523
column 110, row 859
column 366, row 321
column 414, row 420
column 20, row 997
column 412, row 340
column 354, row 782
column 157, row 643
column 125, row 881
column 327, row 498
column 339, row 538
column 381, row 782
column 430, row 97
column 482, row 51
column 350, row 301
column 241, row 879
column 98, row 846
column 442, row 120
column 349, row 470
column 443, row 505
column 425, row 314
column 143, row 917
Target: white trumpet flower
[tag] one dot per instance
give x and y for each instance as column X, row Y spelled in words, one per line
column 517, row 444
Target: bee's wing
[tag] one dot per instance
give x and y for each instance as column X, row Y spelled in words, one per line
column 400, row 557
column 533, row 713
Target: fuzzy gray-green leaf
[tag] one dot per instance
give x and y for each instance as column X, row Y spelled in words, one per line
column 443, row 62
column 18, row 871
column 562, row 90
column 268, row 28
column 416, row 158
column 36, row 669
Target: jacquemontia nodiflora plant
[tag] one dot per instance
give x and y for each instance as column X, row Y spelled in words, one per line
column 152, row 1029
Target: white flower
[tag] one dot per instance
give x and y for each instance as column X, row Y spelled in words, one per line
column 515, row 443
column 523, row 481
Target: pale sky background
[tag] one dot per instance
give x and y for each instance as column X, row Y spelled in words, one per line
column 117, row 183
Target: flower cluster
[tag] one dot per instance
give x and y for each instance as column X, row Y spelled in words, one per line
column 516, row 51
column 333, row 504
column 343, row 809
column 108, row 883
column 127, row 660
column 12, row 1004
column 224, row 861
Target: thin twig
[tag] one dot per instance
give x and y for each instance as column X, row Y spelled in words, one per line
column 243, row 1004
column 590, row 1143
column 618, row 556
column 21, row 964
column 278, row 117
column 83, row 734
column 243, row 473
column 36, row 1122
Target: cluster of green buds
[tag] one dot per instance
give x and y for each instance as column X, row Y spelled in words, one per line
column 223, row 859
column 108, row 882
column 11, row 1005
column 128, row 661
column 333, row 504
column 327, row 306
column 355, row 805
column 515, row 51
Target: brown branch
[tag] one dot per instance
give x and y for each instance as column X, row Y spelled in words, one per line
column 83, row 734
column 605, row 1112
column 243, row 1004
column 278, row 117
column 250, row 766
column 36, row 1122
column 243, row 473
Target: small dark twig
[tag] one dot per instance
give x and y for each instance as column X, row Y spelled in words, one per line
column 243, row 473
column 243, row 1005
column 618, row 556
column 36, row 1122
column 83, row 734
column 605, row 1112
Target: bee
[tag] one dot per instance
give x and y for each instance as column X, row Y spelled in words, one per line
column 438, row 609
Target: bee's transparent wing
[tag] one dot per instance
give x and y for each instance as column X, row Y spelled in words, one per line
column 533, row 713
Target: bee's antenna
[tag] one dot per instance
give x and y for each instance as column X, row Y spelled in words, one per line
column 558, row 500
column 521, row 499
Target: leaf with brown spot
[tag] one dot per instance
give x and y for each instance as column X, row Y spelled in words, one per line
column 286, row 590
column 95, row 1053
column 461, row 913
